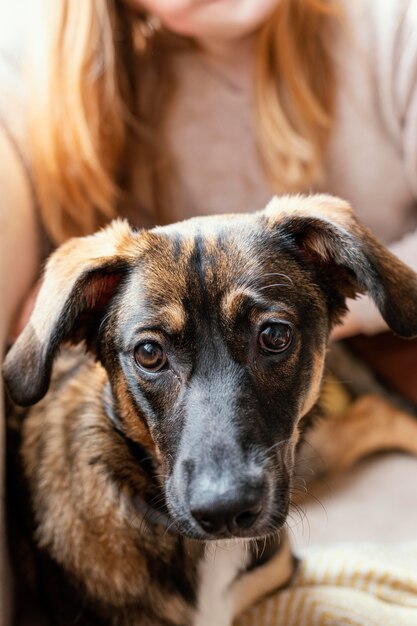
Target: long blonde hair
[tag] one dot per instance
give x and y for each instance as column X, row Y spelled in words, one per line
column 85, row 92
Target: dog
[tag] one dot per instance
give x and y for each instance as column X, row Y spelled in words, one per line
column 159, row 466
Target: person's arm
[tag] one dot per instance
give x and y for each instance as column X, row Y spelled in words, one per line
column 19, row 245
column 19, row 265
column 395, row 45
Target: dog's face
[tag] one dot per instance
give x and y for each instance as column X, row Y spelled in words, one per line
column 213, row 333
column 217, row 337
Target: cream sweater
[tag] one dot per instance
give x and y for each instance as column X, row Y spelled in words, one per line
column 372, row 156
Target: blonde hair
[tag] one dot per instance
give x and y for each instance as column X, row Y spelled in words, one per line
column 294, row 91
column 85, row 93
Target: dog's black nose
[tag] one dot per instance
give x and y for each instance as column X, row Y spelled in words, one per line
column 233, row 511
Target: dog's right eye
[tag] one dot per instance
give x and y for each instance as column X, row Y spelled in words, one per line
column 275, row 337
column 150, row 356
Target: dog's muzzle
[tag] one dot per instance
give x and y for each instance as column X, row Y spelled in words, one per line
column 238, row 501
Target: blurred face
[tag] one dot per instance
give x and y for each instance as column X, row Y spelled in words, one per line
column 210, row 19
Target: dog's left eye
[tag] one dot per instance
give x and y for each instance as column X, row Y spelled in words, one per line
column 150, row 356
column 275, row 337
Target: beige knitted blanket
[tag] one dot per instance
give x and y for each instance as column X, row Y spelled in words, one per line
column 353, row 585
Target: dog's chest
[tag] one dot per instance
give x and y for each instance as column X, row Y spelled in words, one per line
column 220, row 567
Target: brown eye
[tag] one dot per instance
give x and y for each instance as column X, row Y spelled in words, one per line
column 275, row 337
column 150, row 356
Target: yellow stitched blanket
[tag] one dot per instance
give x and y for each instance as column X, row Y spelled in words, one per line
column 347, row 584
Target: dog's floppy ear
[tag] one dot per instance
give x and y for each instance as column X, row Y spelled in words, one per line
column 80, row 279
column 325, row 229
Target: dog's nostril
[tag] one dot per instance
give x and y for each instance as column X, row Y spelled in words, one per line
column 211, row 525
column 246, row 519
column 230, row 518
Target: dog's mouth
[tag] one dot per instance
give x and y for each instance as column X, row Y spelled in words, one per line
column 264, row 519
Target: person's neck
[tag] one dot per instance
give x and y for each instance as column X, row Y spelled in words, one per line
column 232, row 59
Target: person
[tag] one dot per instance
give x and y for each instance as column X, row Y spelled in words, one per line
column 158, row 110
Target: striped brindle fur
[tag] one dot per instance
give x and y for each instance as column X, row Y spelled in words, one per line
column 160, row 465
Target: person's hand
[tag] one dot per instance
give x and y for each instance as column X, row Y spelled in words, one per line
column 24, row 313
column 362, row 318
column 348, row 328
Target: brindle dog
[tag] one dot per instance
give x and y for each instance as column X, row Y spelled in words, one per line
column 180, row 428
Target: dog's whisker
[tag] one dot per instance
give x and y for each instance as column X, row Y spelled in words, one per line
column 290, row 531
column 305, row 493
column 318, row 455
column 320, row 503
column 302, row 517
column 301, row 480
column 264, row 547
column 279, row 274
column 168, row 528
column 273, row 285
column 278, row 444
column 156, row 500
column 303, row 459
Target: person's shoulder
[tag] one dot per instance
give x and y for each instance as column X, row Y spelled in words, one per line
column 13, row 37
column 382, row 8
column 384, row 21
column 386, row 32
column 11, row 83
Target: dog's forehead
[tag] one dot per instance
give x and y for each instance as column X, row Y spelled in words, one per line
column 218, row 251
column 207, row 265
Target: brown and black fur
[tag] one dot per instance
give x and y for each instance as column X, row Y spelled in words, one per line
column 110, row 447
